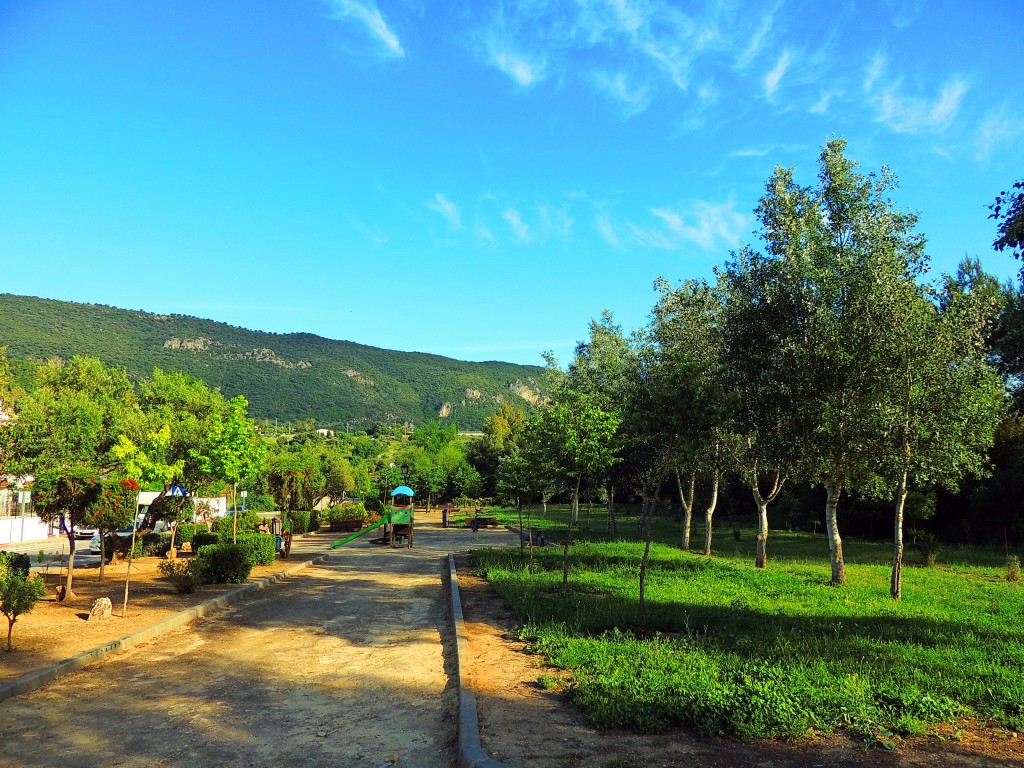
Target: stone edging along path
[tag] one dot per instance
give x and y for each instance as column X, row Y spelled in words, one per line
column 471, row 754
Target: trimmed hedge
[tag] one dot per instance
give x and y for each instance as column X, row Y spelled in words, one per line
column 203, row 539
column 300, row 521
column 260, row 547
column 223, row 563
column 186, row 532
column 248, row 522
column 314, row 521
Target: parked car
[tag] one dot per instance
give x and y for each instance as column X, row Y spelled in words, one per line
column 94, row 542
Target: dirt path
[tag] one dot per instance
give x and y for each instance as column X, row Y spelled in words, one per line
column 346, row 664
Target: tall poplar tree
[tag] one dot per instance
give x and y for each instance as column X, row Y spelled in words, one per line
column 842, row 258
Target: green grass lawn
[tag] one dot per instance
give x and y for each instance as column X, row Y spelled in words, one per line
column 730, row 649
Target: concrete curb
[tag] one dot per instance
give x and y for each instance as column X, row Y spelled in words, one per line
column 40, row 677
column 471, row 754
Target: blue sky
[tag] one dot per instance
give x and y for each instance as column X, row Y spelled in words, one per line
column 473, row 179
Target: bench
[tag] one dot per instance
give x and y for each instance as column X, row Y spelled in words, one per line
column 481, row 522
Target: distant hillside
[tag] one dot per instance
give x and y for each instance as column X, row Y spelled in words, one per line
column 285, row 376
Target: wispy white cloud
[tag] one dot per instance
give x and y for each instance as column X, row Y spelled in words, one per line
column 764, row 149
column 515, row 221
column 874, row 71
column 820, row 107
column 907, row 13
column 632, row 97
column 606, row 230
column 555, row 223
column 442, row 205
column 914, row 114
column 710, row 226
column 999, row 127
column 521, row 67
column 910, row 113
column 757, row 39
column 654, row 40
column 774, row 77
column 368, row 16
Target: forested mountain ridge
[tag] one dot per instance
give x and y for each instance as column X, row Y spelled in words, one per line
column 284, row 376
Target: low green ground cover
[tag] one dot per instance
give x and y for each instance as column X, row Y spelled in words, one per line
column 730, row 649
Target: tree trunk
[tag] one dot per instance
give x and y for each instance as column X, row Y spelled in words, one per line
column 10, row 629
column 709, row 513
column 762, row 502
column 641, row 518
column 761, row 556
column 68, row 594
column 835, row 543
column 519, row 509
column 896, row 583
column 612, row 526
column 529, row 527
column 643, row 571
column 568, row 534
column 103, row 551
column 687, row 506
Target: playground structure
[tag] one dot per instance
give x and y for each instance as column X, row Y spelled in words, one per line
column 396, row 522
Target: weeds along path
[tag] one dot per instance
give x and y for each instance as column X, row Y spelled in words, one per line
column 347, row 663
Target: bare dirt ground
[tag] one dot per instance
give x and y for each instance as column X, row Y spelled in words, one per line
column 347, row 663
column 350, row 663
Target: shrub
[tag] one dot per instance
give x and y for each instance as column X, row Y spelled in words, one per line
column 182, row 575
column 351, row 517
column 204, row 538
column 373, row 505
column 223, row 563
column 14, row 562
column 18, row 594
column 1013, row 568
column 248, row 522
column 156, row 544
column 314, row 521
column 299, row 521
column 260, row 547
column 186, row 532
column 929, row 546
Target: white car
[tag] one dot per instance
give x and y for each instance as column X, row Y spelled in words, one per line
column 94, row 542
column 85, row 531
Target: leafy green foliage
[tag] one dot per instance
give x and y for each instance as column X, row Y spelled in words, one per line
column 155, row 544
column 183, row 575
column 248, row 522
column 223, row 563
column 18, row 594
column 1008, row 210
column 260, row 547
column 299, row 521
column 284, row 376
column 205, row 538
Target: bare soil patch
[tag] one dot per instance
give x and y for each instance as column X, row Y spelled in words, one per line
column 54, row 631
column 523, row 724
